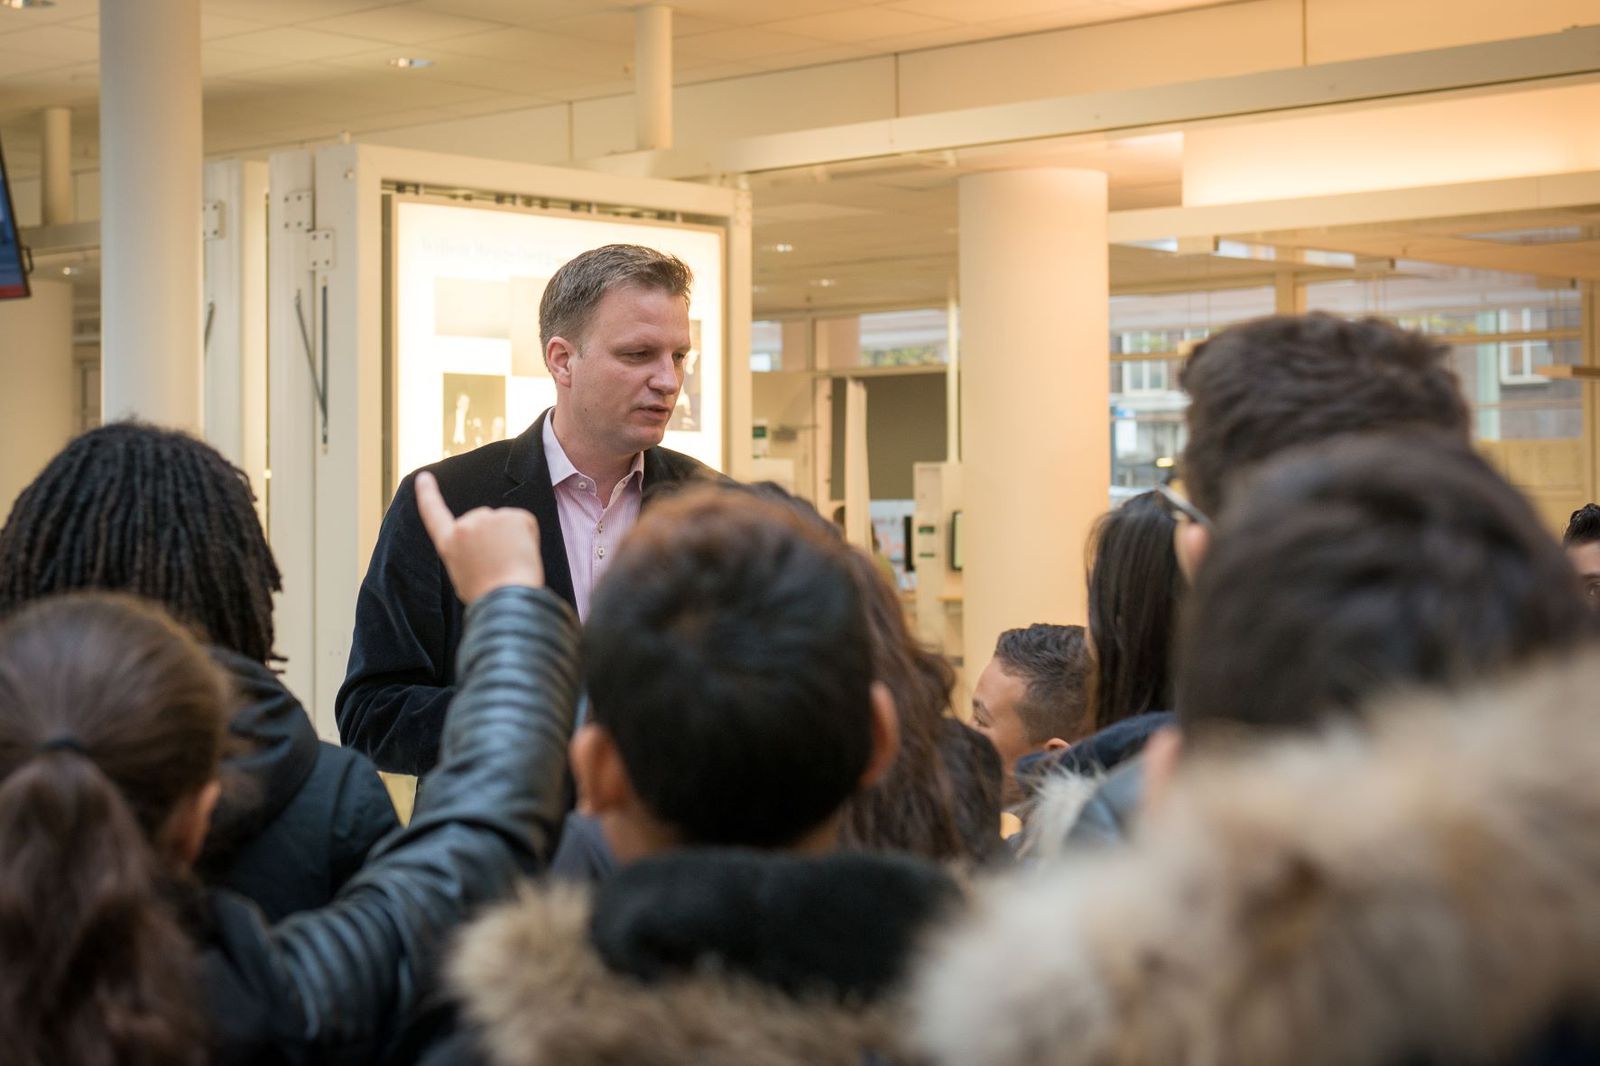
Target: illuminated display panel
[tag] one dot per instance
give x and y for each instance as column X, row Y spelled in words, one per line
column 468, row 365
column 13, row 273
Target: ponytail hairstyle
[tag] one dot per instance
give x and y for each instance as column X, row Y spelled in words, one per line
column 110, row 717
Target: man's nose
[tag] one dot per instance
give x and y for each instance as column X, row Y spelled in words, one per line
column 664, row 376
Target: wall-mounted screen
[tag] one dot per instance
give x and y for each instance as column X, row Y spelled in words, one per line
column 468, row 365
column 13, row 274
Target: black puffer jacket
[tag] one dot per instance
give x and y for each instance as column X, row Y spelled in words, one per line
column 299, row 815
column 338, row 983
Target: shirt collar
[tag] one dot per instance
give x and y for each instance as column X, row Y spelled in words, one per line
column 561, row 467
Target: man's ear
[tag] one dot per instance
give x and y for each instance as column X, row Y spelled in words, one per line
column 558, row 356
column 184, row 835
column 1162, row 753
column 603, row 784
column 1056, row 744
column 1191, row 541
column 885, row 736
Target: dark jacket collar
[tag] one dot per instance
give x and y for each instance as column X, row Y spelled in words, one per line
column 843, row 926
column 1097, row 754
column 528, row 472
column 697, row 958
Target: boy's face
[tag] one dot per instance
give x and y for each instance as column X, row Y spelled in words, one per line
column 1585, row 559
column 994, row 714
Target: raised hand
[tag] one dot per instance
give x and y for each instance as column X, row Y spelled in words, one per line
column 484, row 549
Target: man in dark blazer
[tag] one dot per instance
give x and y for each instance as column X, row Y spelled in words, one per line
column 615, row 328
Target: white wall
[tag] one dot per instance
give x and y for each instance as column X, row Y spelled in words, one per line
column 38, row 405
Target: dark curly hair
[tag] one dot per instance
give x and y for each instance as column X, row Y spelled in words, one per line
column 1584, row 525
column 131, row 507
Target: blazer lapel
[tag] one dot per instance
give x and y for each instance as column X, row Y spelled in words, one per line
column 532, row 491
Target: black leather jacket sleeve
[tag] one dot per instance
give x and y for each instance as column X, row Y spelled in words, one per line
column 491, row 810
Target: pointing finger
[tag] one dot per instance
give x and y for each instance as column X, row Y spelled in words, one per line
column 436, row 516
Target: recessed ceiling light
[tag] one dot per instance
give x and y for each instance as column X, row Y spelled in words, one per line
column 68, row 272
column 824, row 283
column 20, row 4
column 783, row 247
column 410, row 62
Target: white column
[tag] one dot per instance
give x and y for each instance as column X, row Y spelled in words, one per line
column 652, row 75
column 857, row 487
column 952, row 376
column 150, row 156
column 1035, row 395
column 56, row 172
column 38, row 406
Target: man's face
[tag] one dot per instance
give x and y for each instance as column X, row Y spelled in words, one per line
column 622, row 382
column 1585, row 558
column 994, row 714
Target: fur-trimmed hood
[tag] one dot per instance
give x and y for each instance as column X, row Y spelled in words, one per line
column 725, row 959
column 1428, row 891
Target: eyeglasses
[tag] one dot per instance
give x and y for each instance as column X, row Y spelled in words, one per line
column 1179, row 507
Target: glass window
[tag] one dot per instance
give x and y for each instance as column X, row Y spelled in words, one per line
column 1500, row 327
column 766, row 346
column 1150, row 336
column 905, row 338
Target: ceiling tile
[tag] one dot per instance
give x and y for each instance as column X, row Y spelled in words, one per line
column 755, row 12
column 594, row 90
column 285, row 12
column 403, row 88
column 743, row 45
column 611, row 27
column 12, row 63
column 695, row 71
column 515, row 12
column 531, row 79
column 970, row 11
column 291, row 44
column 541, row 47
column 860, row 24
column 405, row 24
column 816, row 57
column 296, row 76
column 214, row 25
column 617, row 27
column 1044, row 21
column 63, row 11
column 54, row 42
column 222, row 62
column 951, row 33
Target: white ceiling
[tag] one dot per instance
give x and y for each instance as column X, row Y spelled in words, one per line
column 883, row 232
column 880, row 233
column 283, row 71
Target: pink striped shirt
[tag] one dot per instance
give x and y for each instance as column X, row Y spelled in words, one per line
column 591, row 527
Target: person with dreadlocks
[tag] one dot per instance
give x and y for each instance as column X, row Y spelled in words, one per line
column 134, row 508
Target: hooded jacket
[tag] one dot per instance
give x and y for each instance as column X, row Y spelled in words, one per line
column 714, row 958
column 299, row 815
column 1427, row 892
